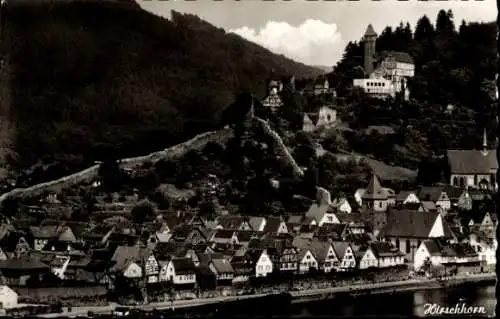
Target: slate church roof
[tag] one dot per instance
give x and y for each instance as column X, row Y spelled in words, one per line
column 472, row 161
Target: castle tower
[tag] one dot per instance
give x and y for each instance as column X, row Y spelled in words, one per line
column 369, row 40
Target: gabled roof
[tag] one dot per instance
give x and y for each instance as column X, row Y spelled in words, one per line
column 333, row 231
column 320, row 249
column 224, row 234
column 402, row 57
column 222, row 265
column 411, row 224
column 385, row 249
column 428, row 205
column 45, row 232
column 454, row 193
column 317, row 211
column 25, row 262
column 472, row 161
column 255, row 222
column 440, row 247
column 231, row 222
column 351, row 219
column 272, row 224
column 246, row 235
column 374, row 190
column 183, row 266
column 403, row 195
column 340, row 248
column 430, row 193
column 124, row 255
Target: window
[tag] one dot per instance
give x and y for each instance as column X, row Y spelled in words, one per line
column 268, row 267
column 308, row 257
column 397, row 243
column 408, row 246
column 462, row 182
column 381, row 204
column 475, row 179
column 455, row 181
column 259, row 268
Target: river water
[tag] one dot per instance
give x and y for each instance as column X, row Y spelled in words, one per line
column 396, row 305
column 402, row 304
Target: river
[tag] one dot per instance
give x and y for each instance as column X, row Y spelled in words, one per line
column 399, row 304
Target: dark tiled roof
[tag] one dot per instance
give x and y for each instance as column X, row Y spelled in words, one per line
column 272, row 224
column 430, row 193
column 222, row 265
column 165, row 251
column 340, row 248
column 385, row 249
column 404, row 194
column 183, row 266
column 402, row 57
column 224, row 234
column 440, row 247
column 351, row 218
column 374, row 190
column 471, row 161
column 246, row 235
column 411, row 224
column 454, row 193
column 45, row 232
column 231, row 222
column 23, row 263
column 429, row 205
column 319, row 249
column 333, row 231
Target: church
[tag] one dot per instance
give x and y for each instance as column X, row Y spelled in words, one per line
column 386, row 72
column 473, row 168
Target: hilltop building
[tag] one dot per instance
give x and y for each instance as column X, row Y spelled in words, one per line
column 473, row 168
column 323, row 118
column 387, row 72
column 274, row 87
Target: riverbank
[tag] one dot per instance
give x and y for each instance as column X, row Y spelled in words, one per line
column 388, row 287
column 296, row 296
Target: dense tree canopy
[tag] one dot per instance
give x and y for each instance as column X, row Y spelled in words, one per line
column 89, row 76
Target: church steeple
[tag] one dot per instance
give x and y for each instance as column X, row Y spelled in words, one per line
column 485, row 143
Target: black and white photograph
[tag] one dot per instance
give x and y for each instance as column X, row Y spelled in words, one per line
column 248, row 159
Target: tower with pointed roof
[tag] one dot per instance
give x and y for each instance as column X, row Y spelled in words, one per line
column 375, row 197
column 369, row 40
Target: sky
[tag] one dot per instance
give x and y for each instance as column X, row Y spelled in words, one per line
column 316, row 32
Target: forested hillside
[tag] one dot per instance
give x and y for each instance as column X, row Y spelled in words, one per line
column 454, row 66
column 98, row 79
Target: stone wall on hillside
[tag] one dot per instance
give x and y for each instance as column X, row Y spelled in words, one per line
column 281, row 147
column 90, row 174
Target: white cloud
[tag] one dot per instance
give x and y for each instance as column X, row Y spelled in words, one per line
column 313, row 42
